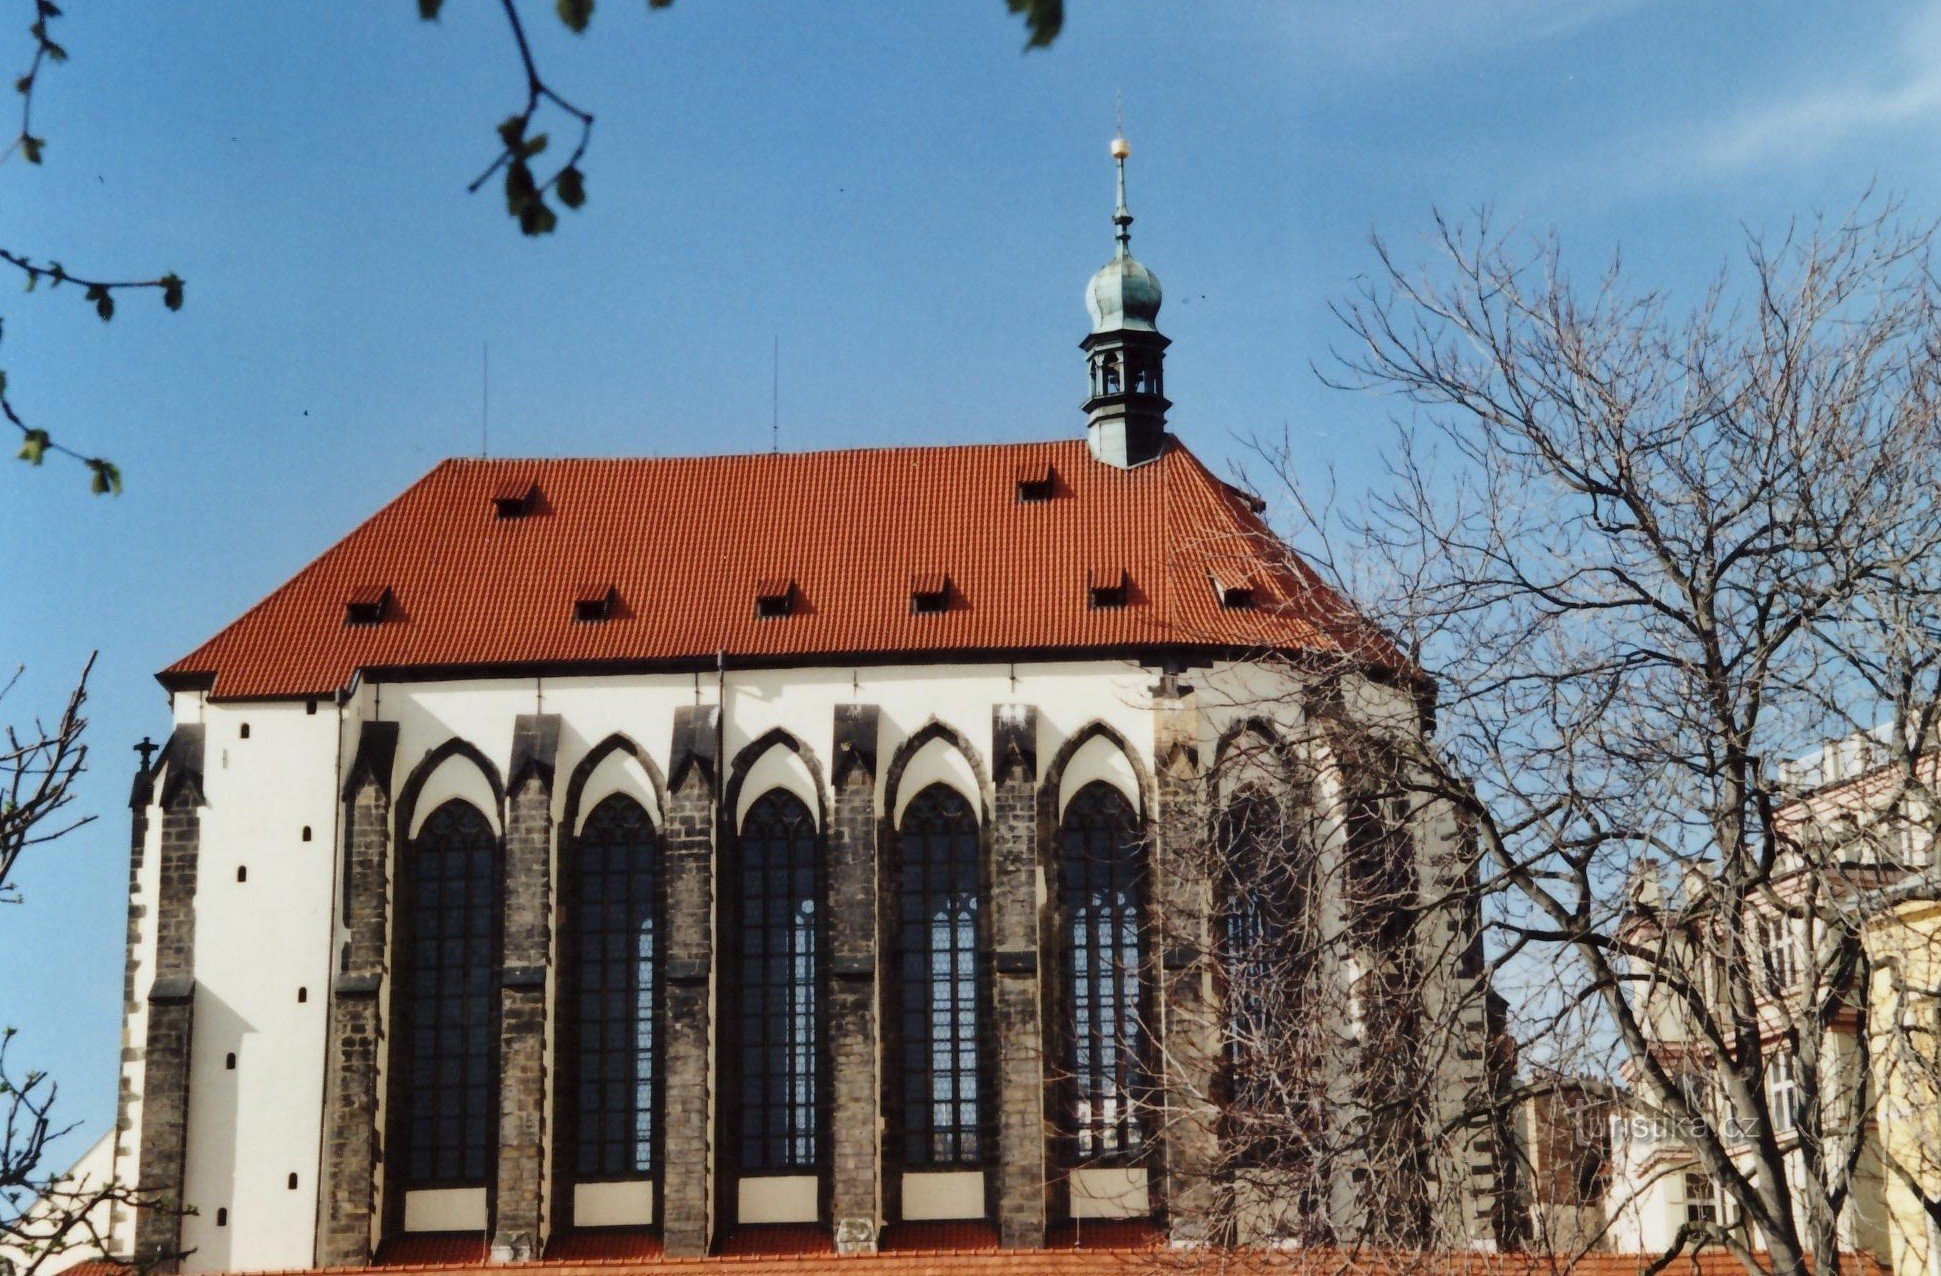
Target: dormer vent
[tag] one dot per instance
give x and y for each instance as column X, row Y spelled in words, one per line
column 1037, row 482
column 775, row 598
column 1108, row 587
column 594, row 603
column 370, row 605
column 1237, row 587
column 517, row 498
column 929, row 593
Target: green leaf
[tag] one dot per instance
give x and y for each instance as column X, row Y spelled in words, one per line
column 107, row 478
column 519, row 187
column 104, row 302
column 428, row 9
column 575, row 13
column 54, row 51
column 1043, row 18
column 571, row 185
column 172, row 291
column 30, row 146
column 531, row 148
column 512, row 132
column 537, row 219
column 24, row 85
column 33, row 446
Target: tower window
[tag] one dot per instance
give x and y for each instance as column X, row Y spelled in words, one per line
column 774, row 598
column 1109, row 588
column 293, row 1181
column 310, row 707
column 940, row 984
column 1101, row 889
column 615, row 989
column 222, row 1216
column 449, row 990
column 229, row 1061
column 516, row 499
column 242, row 732
column 306, row 832
column 777, row 896
column 595, row 603
column 242, row 872
column 1037, row 482
column 370, row 605
column 930, row 593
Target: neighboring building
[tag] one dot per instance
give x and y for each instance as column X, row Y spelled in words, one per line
column 1862, row 823
column 1562, row 1146
column 602, row 857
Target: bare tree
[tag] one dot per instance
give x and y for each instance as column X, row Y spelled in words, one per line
column 1650, row 557
column 47, row 1212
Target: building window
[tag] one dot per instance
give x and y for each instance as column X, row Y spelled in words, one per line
column 1100, row 886
column 452, row 901
column 1265, row 956
column 616, row 941
column 1781, row 952
column 940, row 983
column 779, row 939
column 1782, row 1092
column 1701, row 1198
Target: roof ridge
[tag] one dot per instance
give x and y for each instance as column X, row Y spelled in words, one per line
column 986, row 445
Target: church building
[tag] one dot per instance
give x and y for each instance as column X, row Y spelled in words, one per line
column 622, row 857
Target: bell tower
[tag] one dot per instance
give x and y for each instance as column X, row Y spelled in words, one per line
column 1125, row 354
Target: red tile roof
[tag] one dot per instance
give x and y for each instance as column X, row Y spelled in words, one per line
column 689, row 543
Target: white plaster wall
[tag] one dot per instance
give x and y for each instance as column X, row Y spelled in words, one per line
column 938, row 761
column 620, row 772
column 256, row 944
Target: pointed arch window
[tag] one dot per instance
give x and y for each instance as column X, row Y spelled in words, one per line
column 616, row 938
column 1266, row 942
column 940, row 984
column 777, row 932
column 452, row 933
column 1101, row 895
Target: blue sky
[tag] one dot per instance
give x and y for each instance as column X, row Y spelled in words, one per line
column 896, row 191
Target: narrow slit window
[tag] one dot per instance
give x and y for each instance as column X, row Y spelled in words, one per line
column 778, row 981
column 615, row 992
column 306, row 832
column 243, row 732
column 1101, row 896
column 940, row 982
column 229, row 1061
column 1108, row 588
column 242, row 872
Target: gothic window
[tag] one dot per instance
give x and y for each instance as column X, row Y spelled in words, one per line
column 451, row 923
column 1101, row 885
column 1265, row 948
column 778, row 936
column 615, row 944
column 940, row 983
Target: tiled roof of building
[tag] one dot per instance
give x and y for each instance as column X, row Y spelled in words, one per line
column 1102, row 1261
column 480, row 565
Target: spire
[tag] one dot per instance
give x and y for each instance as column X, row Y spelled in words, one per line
column 1125, row 351
column 1122, row 216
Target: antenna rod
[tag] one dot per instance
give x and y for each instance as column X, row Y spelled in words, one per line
column 775, row 397
column 485, row 399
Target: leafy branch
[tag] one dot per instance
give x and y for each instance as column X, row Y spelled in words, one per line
column 36, row 443
column 525, row 193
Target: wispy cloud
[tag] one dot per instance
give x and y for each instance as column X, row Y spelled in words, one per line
column 1802, row 126
column 1390, row 32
